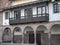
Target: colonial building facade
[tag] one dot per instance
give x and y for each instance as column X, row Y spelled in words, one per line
column 33, row 22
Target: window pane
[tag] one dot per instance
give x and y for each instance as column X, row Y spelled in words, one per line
column 47, row 9
column 39, row 10
column 34, row 12
column 28, row 13
column 17, row 14
column 43, row 10
column 22, row 14
column 56, row 8
column 7, row 15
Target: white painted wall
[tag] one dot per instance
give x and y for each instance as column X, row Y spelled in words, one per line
column 53, row 16
column 6, row 21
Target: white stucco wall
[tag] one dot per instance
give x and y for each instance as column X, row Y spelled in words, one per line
column 53, row 16
column 5, row 22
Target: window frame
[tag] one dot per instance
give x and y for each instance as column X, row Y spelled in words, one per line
column 7, row 16
column 16, row 12
column 56, row 8
column 37, row 13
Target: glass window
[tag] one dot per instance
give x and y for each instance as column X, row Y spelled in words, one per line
column 39, row 10
column 47, row 9
column 22, row 14
column 43, row 10
column 34, row 11
column 7, row 15
column 56, row 8
column 28, row 13
column 17, row 14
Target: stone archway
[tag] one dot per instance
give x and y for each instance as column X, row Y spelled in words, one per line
column 6, row 38
column 42, row 35
column 17, row 35
column 28, row 35
column 55, row 34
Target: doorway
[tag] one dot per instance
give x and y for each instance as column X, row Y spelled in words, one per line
column 31, row 37
column 38, row 38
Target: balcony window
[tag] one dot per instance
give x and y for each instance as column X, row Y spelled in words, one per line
column 17, row 14
column 34, row 11
column 56, row 8
column 43, row 9
column 28, row 13
column 39, row 11
column 7, row 15
column 22, row 14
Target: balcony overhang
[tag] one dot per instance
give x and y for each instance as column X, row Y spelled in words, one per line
column 14, row 21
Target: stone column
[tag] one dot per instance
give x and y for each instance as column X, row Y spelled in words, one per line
column 35, row 37
column 49, row 37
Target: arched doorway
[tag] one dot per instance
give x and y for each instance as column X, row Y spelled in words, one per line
column 17, row 35
column 6, row 38
column 41, row 35
column 55, row 34
column 28, row 35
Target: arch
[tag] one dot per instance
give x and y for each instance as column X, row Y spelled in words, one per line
column 55, row 28
column 6, row 35
column 28, row 28
column 42, row 35
column 17, row 35
column 41, row 28
column 55, row 34
column 17, row 29
column 28, row 34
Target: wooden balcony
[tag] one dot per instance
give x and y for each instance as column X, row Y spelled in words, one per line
column 32, row 19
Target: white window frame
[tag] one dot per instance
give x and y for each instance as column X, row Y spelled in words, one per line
column 8, row 15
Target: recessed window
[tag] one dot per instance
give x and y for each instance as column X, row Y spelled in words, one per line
column 7, row 15
column 17, row 14
column 56, row 8
column 38, row 11
column 28, row 13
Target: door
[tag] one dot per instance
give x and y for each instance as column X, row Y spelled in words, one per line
column 31, row 38
column 38, row 38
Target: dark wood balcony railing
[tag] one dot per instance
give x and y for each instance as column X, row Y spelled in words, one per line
column 30, row 19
